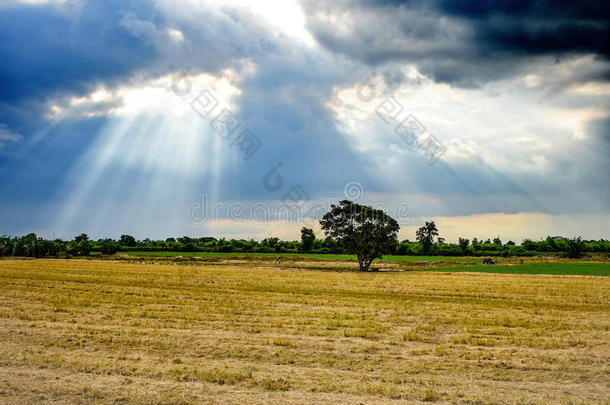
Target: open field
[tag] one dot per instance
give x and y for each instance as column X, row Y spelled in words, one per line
column 513, row 265
column 290, row 331
column 321, row 256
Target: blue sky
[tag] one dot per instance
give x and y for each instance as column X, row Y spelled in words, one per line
column 491, row 118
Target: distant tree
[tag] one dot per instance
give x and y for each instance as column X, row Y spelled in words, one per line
column 330, row 245
column 55, row 247
column 575, row 247
column 497, row 241
column 109, row 246
column 81, row 238
column 463, row 245
column 440, row 241
column 270, row 243
column 528, row 244
column 222, row 245
column 82, row 245
column 170, row 240
column 29, row 246
column 551, row 244
column 403, row 248
column 127, row 240
column 318, row 244
column 6, row 246
column 185, row 239
column 425, row 236
column 362, row 230
column 307, row 238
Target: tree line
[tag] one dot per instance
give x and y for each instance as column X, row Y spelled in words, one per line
column 349, row 228
column 33, row 246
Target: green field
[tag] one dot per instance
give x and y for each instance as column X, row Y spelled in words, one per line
column 340, row 257
column 577, row 268
column 410, row 263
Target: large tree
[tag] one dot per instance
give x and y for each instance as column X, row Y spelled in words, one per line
column 425, row 235
column 364, row 231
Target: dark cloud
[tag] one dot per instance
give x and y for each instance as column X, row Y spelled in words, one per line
column 463, row 42
column 572, row 9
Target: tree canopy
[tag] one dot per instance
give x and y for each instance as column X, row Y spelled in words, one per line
column 362, row 230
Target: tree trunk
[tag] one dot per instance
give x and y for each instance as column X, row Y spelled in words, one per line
column 364, row 264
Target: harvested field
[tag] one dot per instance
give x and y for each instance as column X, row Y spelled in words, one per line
column 89, row 331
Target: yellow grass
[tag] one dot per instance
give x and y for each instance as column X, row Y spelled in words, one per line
column 219, row 332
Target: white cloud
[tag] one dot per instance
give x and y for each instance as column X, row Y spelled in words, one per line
column 501, row 124
column 285, row 17
column 515, row 227
column 6, row 135
column 520, row 226
column 150, row 96
column 40, row 1
column 9, row 3
column 592, row 88
column 176, row 35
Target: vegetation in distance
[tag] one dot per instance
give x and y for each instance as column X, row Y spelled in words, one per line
column 313, row 256
column 350, row 229
column 33, row 246
column 529, row 265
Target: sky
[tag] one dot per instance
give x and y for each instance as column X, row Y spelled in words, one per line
column 248, row 119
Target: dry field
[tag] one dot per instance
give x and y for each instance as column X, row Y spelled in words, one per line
column 86, row 332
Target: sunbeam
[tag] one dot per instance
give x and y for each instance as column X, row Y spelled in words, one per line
column 155, row 153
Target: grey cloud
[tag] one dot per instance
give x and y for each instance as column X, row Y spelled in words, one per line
column 463, row 43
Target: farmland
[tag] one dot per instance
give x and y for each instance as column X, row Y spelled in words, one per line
column 530, row 265
column 226, row 329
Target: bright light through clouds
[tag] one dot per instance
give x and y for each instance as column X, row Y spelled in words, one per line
column 152, row 132
column 286, row 17
column 502, row 131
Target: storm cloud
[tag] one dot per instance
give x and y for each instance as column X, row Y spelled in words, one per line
column 465, row 43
